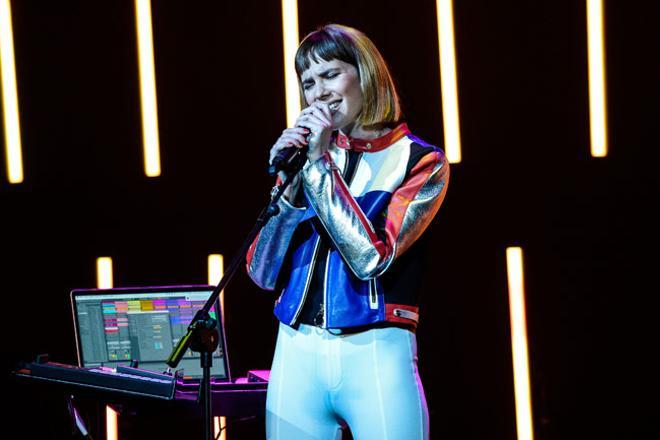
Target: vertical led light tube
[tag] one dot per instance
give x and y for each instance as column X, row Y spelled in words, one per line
column 448, row 81
column 597, row 95
column 291, row 40
column 220, row 427
column 111, row 424
column 105, row 280
column 13, row 148
column 104, row 276
column 148, row 100
column 517, row 316
column 216, row 269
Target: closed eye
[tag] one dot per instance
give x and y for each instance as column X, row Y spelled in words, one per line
column 330, row 74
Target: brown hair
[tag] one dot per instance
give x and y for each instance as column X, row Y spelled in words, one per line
column 380, row 106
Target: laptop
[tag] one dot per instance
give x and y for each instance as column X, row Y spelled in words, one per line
column 114, row 327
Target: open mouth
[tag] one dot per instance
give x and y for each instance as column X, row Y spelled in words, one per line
column 334, row 106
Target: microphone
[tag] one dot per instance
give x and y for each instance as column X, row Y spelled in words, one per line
column 282, row 159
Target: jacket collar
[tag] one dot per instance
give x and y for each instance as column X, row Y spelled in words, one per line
column 372, row 145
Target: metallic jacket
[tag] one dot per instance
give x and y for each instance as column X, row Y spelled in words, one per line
column 397, row 188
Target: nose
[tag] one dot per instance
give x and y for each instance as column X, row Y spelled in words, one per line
column 320, row 92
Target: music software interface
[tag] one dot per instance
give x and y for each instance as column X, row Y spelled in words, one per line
column 118, row 328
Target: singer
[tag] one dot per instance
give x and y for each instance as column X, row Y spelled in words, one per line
column 344, row 251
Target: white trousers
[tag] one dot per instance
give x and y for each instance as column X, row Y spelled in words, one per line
column 320, row 381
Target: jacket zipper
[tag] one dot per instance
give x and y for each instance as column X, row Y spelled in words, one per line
column 373, row 294
column 325, row 291
column 308, row 281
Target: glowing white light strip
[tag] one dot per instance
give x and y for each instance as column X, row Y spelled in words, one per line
column 104, row 280
column 216, row 269
column 13, row 153
column 450, row 116
column 104, row 277
column 148, row 101
column 597, row 97
column 111, row 424
column 514, row 261
column 291, row 40
column 220, row 423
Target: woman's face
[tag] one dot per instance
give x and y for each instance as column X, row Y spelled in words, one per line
column 337, row 84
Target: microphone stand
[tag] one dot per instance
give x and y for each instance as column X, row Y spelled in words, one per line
column 202, row 335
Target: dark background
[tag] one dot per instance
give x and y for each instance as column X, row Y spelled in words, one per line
column 527, row 178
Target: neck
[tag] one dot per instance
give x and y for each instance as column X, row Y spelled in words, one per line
column 357, row 131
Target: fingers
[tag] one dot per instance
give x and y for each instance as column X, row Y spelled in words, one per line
column 318, row 113
column 313, row 123
column 323, row 106
column 291, row 137
column 295, row 136
column 316, row 119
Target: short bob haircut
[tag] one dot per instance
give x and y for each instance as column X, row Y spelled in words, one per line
column 380, row 105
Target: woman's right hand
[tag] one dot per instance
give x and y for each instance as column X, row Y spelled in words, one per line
column 291, row 137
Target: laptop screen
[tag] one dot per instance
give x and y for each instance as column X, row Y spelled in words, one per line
column 116, row 326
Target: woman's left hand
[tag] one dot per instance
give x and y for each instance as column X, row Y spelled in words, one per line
column 318, row 119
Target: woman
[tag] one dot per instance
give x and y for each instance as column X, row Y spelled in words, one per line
column 348, row 308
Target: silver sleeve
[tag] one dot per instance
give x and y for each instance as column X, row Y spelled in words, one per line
column 342, row 217
column 410, row 211
column 267, row 252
